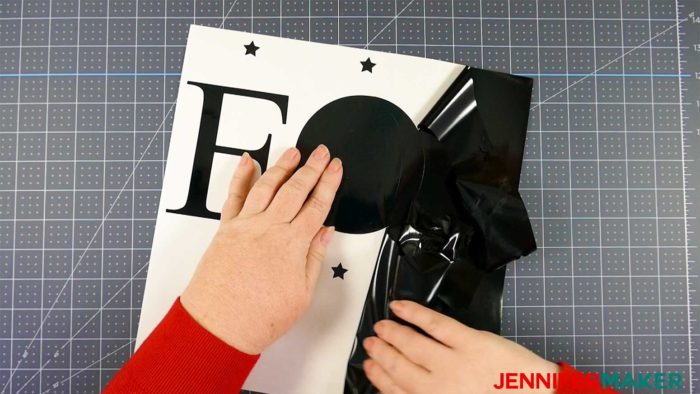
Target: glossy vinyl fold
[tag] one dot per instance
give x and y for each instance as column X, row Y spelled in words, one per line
column 466, row 221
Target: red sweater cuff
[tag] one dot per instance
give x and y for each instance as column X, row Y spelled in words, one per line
column 182, row 356
column 572, row 381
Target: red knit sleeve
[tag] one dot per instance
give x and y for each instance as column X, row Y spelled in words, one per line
column 180, row 356
column 572, row 381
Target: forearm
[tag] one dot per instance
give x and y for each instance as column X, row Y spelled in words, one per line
column 181, row 356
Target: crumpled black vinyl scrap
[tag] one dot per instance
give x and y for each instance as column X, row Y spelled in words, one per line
column 467, row 220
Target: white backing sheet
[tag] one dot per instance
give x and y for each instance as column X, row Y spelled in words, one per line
column 312, row 357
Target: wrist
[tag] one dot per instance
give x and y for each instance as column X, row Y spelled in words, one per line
column 206, row 310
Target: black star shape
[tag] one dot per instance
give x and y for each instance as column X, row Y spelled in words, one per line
column 339, row 271
column 367, row 65
column 251, row 48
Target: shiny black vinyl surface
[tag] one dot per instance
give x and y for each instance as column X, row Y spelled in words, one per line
column 466, row 221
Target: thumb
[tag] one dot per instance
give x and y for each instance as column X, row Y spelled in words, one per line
column 317, row 252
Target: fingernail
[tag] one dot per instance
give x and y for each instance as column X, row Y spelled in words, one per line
column 395, row 306
column 335, row 165
column 245, row 160
column 378, row 327
column 368, row 342
column 291, row 154
column 321, row 152
column 327, row 235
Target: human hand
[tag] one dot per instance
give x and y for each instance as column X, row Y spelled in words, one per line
column 258, row 274
column 458, row 360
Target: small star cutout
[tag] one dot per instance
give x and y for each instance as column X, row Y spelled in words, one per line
column 251, row 48
column 367, row 65
column 339, row 271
